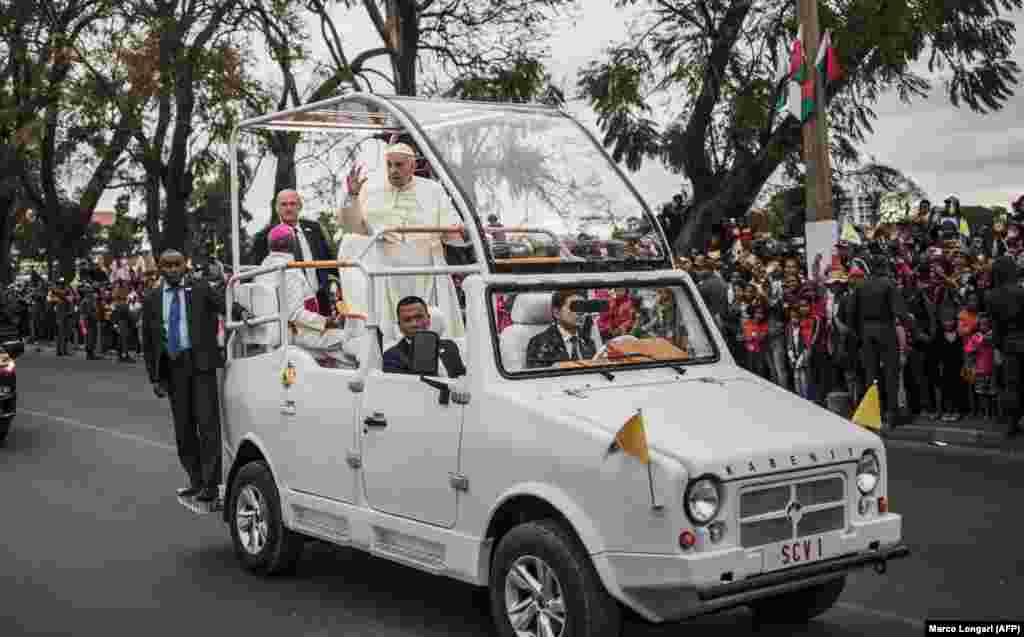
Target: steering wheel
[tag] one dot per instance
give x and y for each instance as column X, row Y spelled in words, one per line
column 603, row 352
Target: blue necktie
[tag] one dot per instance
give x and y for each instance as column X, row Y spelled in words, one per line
column 174, row 325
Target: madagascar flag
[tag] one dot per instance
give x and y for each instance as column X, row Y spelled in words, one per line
column 826, row 62
column 631, row 439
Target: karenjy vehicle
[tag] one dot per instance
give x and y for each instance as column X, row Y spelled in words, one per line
column 601, row 452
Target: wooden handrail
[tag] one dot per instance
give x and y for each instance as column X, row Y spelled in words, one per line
column 306, row 265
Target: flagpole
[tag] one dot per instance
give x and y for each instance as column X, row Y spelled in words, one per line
column 818, row 181
column 650, row 475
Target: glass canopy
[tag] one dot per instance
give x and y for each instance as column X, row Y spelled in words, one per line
column 538, row 188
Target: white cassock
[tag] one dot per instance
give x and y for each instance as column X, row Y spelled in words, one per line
column 308, row 328
column 422, row 203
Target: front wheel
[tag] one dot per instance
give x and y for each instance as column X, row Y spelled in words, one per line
column 262, row 543
column 543, row 584
column 801, row 606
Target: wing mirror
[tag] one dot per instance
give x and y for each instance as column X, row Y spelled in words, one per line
column 426, row 348
column 14, row 348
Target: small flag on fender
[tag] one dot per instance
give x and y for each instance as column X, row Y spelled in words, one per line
column 869, row 412
column 632, row 439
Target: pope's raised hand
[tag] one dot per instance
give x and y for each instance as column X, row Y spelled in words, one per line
column 356, row 178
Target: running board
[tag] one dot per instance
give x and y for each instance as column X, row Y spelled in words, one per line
column 201, row 508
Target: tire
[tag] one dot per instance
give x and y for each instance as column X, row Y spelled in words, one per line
column 586, row 608
column 799, row 607
column 5, row 426
column 262, row 543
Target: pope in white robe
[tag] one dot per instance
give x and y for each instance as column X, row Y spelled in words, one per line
column 403, row 200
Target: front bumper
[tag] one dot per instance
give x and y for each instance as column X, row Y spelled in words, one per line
column 664, row 588
column 9, row 404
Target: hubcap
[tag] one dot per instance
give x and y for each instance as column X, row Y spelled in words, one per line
column 533, row 599
column 251, row 519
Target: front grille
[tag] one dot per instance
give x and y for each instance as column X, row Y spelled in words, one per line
column 780, row 512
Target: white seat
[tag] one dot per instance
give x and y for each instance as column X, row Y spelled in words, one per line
column 261, row 300
column 531, row 315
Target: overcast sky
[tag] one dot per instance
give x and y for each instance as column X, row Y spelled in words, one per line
column 944, row 149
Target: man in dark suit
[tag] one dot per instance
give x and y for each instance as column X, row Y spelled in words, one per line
column 414, row 316
column 179, row 331
column 1006, row 303
column 563, row 340
column 313, row 245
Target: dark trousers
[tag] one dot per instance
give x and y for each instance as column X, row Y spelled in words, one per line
column 196, row 411
column 1011, row 398
column 950, row 361
column 126, row 337
column 63, row 333
column 916, row 381
column 92, row 336
column 878, row 346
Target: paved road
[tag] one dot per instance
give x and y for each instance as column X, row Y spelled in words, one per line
column 94, row 542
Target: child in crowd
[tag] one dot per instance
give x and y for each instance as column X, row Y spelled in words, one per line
column 801, row 335
column 981, row 357
column 755, row 333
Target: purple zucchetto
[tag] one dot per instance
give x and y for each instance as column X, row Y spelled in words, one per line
column 281, row 231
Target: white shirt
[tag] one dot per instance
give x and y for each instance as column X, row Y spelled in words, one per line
column 567, row 337
column 307, row 255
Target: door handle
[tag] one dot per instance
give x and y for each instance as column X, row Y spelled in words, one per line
column 376, row 421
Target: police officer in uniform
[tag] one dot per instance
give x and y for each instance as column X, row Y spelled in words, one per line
column 59, row 298
column 873, row 309
column 1006, row 304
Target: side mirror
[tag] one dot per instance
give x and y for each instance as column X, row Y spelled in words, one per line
column 14, row 348
column 426, row 347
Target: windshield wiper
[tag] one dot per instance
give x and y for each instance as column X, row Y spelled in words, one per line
column 678, row 367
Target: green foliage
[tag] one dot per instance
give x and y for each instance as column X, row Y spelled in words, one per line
column 123, row 238
column 717, row 64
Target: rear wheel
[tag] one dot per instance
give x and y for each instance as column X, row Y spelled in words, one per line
column 262, row 543
column 5, row 426
column 543, row 584
column 801, row 606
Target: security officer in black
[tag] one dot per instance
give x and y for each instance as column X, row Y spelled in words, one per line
column 1006, row 304
column 873, row 310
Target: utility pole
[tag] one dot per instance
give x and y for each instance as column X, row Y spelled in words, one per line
column 819, row 220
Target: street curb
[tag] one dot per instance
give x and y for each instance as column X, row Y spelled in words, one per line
column 949, row 435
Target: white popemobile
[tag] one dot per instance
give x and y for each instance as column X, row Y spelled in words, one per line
column 507, row 477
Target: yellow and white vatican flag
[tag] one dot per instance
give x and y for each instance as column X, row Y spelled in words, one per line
column 965, row 229
column 632, row 440
column 849, row 234
column 869, row 412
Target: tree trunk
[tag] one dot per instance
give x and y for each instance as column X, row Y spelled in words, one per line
column 153, row 229
column 283, row 147
column 404, row 64
column 7, row 223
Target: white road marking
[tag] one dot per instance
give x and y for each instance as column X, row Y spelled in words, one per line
column 113, row 432
column 881, row 614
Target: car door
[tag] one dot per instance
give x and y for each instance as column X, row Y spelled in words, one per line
column 410, row 448
column 317, row 433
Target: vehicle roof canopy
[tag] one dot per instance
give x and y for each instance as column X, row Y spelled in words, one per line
column 537, row 192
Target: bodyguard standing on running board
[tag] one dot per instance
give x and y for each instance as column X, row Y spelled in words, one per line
column 179, row 331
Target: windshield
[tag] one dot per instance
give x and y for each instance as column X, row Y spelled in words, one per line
column 528, row 168
column 566, row 329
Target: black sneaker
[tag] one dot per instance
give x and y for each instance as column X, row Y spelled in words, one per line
column 207, row 494
column 189, row 491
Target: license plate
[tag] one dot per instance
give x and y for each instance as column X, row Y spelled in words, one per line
column 798, row 552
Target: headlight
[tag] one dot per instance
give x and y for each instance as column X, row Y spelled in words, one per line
column 868, row 471
column 702, row 500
